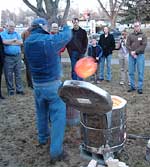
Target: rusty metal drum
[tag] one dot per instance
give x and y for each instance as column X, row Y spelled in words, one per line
column 102, row 117
column 72, row 116
column 99, row 130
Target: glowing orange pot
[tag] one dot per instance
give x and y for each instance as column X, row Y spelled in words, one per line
column 85, row 67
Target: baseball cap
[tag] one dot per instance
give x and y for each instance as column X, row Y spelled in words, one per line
column 54, row 25
column 39, row 22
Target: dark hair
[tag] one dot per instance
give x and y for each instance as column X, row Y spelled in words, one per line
column 124, row 31
column 75, row 19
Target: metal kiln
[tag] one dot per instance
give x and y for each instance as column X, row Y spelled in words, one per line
column 102, row 118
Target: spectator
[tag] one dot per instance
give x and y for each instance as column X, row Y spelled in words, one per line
column 95, row 51
column 107, row 43
column 136, row 44
column 123, row 59
column 24, row 35
column 1, row 65
column 54, row 30
column 41, row 49
column 77, row 46
column 12, row 63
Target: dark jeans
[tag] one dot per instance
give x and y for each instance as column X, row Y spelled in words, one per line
column 74, row 57
column 12, row 68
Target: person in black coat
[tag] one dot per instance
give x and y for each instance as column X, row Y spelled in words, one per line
column 107, row 42
column 24, row 35
column 77, row 46
column 1, row 65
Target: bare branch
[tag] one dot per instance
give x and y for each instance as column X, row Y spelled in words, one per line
column 32, row 7
column 66, row 10
column 108, row 15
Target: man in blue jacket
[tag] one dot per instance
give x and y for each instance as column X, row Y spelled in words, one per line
column 42, row 53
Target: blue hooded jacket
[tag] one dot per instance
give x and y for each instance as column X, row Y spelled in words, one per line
column 42, row 53
column 99, row 52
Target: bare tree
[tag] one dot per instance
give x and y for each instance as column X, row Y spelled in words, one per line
column 137, row 10
column 114, row 8
column 49, row 9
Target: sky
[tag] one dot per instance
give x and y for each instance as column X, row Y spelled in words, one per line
column 86, row 4
column 13, row 5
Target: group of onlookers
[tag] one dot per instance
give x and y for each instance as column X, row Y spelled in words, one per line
column 131, row 49
column 131, row 56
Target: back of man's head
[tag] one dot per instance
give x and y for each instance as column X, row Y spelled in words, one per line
column 40, row 22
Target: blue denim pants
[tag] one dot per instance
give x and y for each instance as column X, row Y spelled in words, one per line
column 12, row 67
column 108, row 66
column 138, row 63
column 50, row 109
column 74, row 57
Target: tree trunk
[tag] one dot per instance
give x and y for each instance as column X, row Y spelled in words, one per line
column 113, row 22
column 115, row 7
column 51, row 11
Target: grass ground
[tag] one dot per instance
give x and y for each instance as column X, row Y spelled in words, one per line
column 18, row 134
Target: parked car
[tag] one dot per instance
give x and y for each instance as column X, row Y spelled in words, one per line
column 115, row 32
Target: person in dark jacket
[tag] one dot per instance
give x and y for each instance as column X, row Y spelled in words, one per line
column 41, row 50
column 107, row 42
column 1, row 65
column 77, row 46
column 95, row 51
column 24, row 35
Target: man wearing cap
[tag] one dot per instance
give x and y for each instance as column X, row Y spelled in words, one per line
column 41, row 50
column 136, row 44
column 12, row 63
column 77, row 46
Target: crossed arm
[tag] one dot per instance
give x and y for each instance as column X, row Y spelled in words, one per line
column 12, row 42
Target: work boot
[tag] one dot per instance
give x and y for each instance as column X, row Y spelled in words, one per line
column 140, row 91
column 131, row 90
column 62, row 157
column 2, row 97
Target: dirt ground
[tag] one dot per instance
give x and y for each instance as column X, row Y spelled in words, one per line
column 19, row 147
